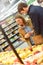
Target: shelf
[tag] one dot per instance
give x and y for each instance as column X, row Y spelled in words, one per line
column 10, row 28
column 15, row 40
column 20, row 43
column 3, row 42
column 16, row 29
column 5, row 47
column 0, row 32
column 12, row 31
column 1, row 38
column 8, row 25
column 13, row 35
column 13, row 45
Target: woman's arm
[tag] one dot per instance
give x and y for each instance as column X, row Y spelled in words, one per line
column 24, row 34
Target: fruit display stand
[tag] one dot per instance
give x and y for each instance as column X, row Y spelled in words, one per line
column 29, row 56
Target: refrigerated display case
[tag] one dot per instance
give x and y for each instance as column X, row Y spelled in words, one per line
column 11, row 30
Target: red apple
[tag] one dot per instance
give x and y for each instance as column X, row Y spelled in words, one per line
column 36, row 52
column 16, row 60
column 33, row 63
column 27, row 63
column 30, row 48
column 17, row 63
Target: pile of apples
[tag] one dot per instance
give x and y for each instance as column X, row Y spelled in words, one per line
column 10, row 58
column 35, row 62
column 16, row 62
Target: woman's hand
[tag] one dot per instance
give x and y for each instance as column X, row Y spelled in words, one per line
column 29, row 34
column 22, row 39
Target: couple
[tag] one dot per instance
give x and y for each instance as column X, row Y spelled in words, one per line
column 36, row 15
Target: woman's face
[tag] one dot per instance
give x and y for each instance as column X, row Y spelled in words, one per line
column 19, row 21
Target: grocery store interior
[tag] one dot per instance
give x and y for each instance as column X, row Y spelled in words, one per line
column 21, row 35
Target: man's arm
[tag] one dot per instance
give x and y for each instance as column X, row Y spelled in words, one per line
column 35, row 21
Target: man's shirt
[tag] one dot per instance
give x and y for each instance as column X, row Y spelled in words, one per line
column 36, row 15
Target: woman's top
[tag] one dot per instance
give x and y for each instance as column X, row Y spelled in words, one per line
column 28, row 29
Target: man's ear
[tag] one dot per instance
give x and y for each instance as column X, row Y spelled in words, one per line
column 24, row 8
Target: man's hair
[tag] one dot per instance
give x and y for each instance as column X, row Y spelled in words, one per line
column 21, row 6
column 39, row 1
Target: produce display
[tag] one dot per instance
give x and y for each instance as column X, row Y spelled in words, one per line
column 30, row 56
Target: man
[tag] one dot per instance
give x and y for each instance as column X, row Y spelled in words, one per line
column 36, row 15
column 40, row 1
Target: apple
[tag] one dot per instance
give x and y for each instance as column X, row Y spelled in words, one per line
column 17, row 63
column 33, row 63
column 30, row 49
column 16, row 60
column 27, row 63
column 36, row 52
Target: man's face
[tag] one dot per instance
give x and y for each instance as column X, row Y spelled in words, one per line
column 24, row 11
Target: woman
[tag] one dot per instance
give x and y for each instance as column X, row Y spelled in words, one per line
column 24, row 29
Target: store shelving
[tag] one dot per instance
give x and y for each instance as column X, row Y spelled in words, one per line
column 13, row 35
column 17, row 44
column 1, row 37
column 5, row 47
column 10, row 28
column 2, row 42
column 11, row 31
column 9, row 24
